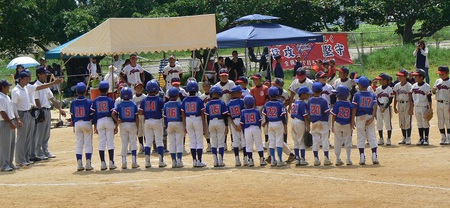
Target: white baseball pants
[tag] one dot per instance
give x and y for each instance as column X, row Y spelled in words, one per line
column 443, row 114
column 238, row 136
column 128, row 132
column 141, row 126
column 384, row 117
column 175, row 132
column 217, row 133
column 297, row 132
column 276, row 130
column 319, row 132
column 364, row 132
column 83, row 136
column 153, row 130
column 105, row 129
column 420, row 112
column 253, row 136
column 342, row 135
column 404, row 119
column 194, row 128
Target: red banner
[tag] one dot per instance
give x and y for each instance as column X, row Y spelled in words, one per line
column 335, row 46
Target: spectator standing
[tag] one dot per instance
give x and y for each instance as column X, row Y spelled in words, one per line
column 118, row 64
column 421, row 54
column 238, row 65
column 94, row 69
column 172, row 70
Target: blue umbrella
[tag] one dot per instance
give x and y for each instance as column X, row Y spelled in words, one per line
column 24, row 61
column 256, row 17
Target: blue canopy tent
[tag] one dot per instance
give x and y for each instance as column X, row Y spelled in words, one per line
column 264, row 34
column 55, row 53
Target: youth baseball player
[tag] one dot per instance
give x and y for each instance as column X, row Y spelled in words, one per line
column 251, row 124
column 137, row 98
column 172, row 70
column 344, row 80
column 235, row 107
column 275, row 114
column 175, row 127
column 193, row 111
column 403, row 105
column 261, row 95
column 126, row 115
column 217, row 116
column 80, row 110
column 151, row 108
column 133, row 72
column 365, row 111
column 243, row 82
column 385, row 95
column 318, row 112
column 301, row 80
column 104, row 125
column 206, row 98
column 442, row 90
column 299, row 120
column 421, row 96
column 342, row 124
column 225, row 84
column 8, row 124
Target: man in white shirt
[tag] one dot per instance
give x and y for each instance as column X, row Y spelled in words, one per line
column 133, row 73
column 7, row 128
column 42, row 100
column 94, row 69
column 118, row 64
column 111, row 78
column 172, row 71
column 21, row 104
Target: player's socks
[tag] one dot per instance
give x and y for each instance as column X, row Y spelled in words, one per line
column 361, row 151
column 285, row 138
column 194, row 154
column 214, row 150
column 448, row 131
column 426, row 131
column 404, row 133
column 199, row 154
column 326, row 154
column 316, row 154
column 133, row 156
column 408, row 132
column 389, row 134
column 421, row 133
column 236, row 151
column 102, row 155
column 161, row 151
column 179, row 155
column 380, row 133
column 221, row 151
column 111, row 155
column 244, row 151
column 79, row 156
column 297, row 153
column 88, row 156
column 272, row 153
column 147, row 150
column 267, row 138
column 173, row 156
column 280, row 153
column 261, row 154
column 302, row 153
column 250, row 155
column 124, row 159
column 374, row 151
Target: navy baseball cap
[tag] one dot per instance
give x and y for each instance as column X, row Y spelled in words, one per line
column 236, row 88
column 24, row 73
column 103, row 85
column 242, row 79
column 382, row 76
column 42, row 70
column 419, row 72
column 304, row 89
column 343, row 70
column 278, row 82
column 317, row 87
column 363, row 81
column 321, row 74
column 402, row 73
column 353, row 75
column 257, row 76
column 273, row 91
column 301, row 73
column 175, row 80
column 81, row 87
column 4, row 83
column 442, row 69
column 341, row 91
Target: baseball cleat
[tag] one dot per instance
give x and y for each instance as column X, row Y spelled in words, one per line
column 420, row 143
column 80, row 166
column 447, row 141
column 262, row 162
column 339, row 162
column 162, row 164
column 327, row 162
column 208, row 148
column 297, row 161
column 135, row 165
column 251, row 163
column 124, row 165
column 403, row 141
column 43, row 157
column 50, row 155
column 112, row 166
column 245, row 161
column 265, row 145
column 221, row 164
column 388, row 142
column 238, row 162
column 7, row 168
column 443, row 141
column 291, row 158
column 103, row 166
column 200, row 164
column 362, row 160
column 88, row 165
column 375, row 160
column 381, row 141
column 425, row 142
column 180, row 163
column 174, row 164
column 316, row 161
column 273, row 163
column 148, row 164
column 281, row 163
column 349, row 162
column 408, row 141
column 195, row 163
column 303, row 162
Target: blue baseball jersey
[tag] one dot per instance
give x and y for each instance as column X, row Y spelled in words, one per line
column 192, row 106
column 235, row 107
column 342, row 109
column 152, row 107
column 216, row 109
column 80, row 110
column 172, row 111
column 102, row 107
column 364, row 102
column 250, row 117
column 127, row 111
column 274, row 111
column 298, row 110
column 317, row 109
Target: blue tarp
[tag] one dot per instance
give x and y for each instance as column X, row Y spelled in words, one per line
column 264, row 34
column 55, row 53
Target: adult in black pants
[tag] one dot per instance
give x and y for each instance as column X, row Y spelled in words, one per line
column 421, row 54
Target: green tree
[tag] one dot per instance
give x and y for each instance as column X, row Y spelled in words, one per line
column 432, row 14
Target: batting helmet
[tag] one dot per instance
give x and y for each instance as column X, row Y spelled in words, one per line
column 152, row 86
column 103, row 85
column 236, row 88
column 249, row 101
column 126, row 93
column 216, row 89
column 192, row 86
column 173, row 92
column 273, row 91
column 342, row 91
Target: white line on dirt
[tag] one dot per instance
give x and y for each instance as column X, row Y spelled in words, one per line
column 354, row 180
column 111, row 182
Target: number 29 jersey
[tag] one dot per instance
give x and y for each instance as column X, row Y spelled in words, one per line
column 250, row 117
column 364, row 102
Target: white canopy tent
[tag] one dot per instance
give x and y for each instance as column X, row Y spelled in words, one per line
column 137, row 35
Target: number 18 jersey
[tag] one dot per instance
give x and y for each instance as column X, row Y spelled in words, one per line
column 234, row 108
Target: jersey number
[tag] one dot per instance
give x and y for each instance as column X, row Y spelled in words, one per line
column 250, row 118
column 294, row 109
column 79, row 112
column 102, row 107
column 366, row 101
column 344, row 113
column 315, row 110
column 150, row 106
column 171, row 112
column 272, row 112
column 235, row 111
column 214, row 110
column 191, row 107
column 127, row 112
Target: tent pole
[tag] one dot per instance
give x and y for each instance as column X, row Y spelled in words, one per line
column 246, row 61
column 113, row 81
column 206, row 64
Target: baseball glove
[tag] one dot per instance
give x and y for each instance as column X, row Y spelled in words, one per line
column 428, row 115
column 38, row 114
column 307, row 137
